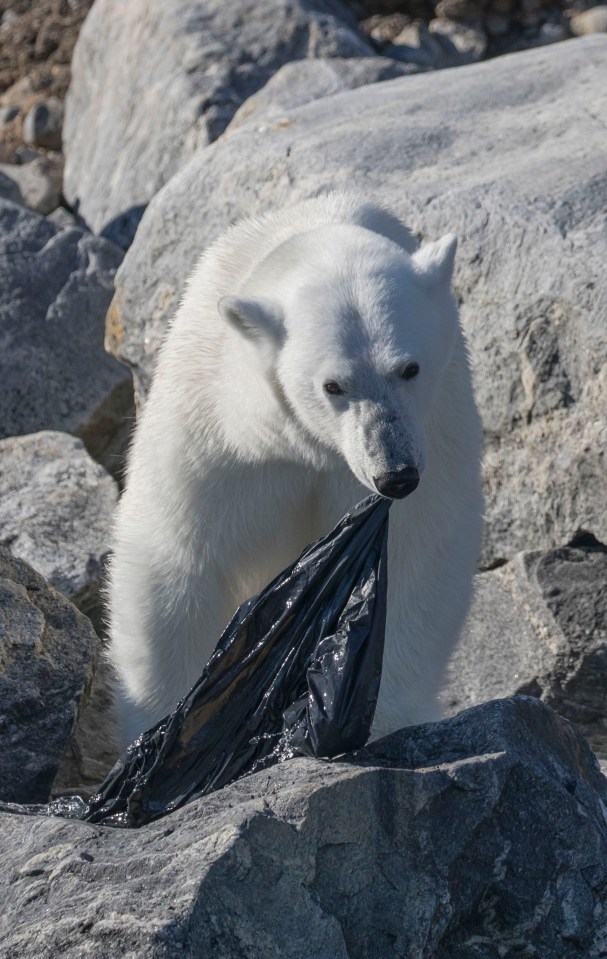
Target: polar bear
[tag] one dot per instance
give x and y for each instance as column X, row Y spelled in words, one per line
column 316, row 356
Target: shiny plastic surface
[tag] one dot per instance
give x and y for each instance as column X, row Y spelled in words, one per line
column 297, row 670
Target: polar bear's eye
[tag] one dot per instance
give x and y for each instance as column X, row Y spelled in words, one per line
column 410, row 371
column 333, row 388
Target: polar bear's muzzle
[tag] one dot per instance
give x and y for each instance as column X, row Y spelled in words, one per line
column 397, row 483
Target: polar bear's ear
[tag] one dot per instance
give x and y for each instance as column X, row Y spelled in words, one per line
column 254, row 319
column 434, row 261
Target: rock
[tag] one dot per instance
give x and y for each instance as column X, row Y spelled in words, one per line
column 43, row 124
column 153, row 82
column 93, row 747
column 467, row 42
column 467, row 11
column 7, row 114
column 552, row 32
column 56, row 507
column 589, row 21
column 305, row 80
column 419, row 846
column 26, row 155
column 443, row 43
column 62, row 218
column 38, row 181
column 383, row 29
column 551, row 607
column 48, row 652
column 9, row 189
column 19, row 93
column 527, row 202
column 415, row 44
column 55, row 287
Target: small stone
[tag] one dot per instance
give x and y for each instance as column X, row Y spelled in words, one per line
column 8, row 113
column 8, row 18
column 62, row 218
column 39, row 182
column 25, row 155
column 384, row 29
column 466, row 42
column 43, row 124
column 444, row 43
column 552, row 33
column 464, row 10
column 415, row 44
column 590, row 21
column 9, row 189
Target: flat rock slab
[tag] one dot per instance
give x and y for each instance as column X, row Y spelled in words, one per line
column 539, row 625
column 152, row 82
column 55, row 288
column 455, row 840
column 509, row 158
column 48, row 653
column 56, row 509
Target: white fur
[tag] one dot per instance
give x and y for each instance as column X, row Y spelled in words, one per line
column 241, row 458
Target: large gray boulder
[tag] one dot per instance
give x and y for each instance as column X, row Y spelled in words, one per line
column 483, row 836
column 152, row 82
column 48, row 654
column 56, row 509
column 55, row 288
column 507, row 156
column 538, row 625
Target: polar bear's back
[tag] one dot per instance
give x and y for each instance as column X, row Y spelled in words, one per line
column 229, row 261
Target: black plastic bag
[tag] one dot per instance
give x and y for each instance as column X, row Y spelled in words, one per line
column 297, row 670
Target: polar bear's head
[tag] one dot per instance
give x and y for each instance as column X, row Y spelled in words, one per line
column 355, row 334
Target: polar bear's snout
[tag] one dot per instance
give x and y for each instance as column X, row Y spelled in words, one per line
column 397, row 483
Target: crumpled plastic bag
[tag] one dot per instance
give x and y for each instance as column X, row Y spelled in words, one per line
column 296, row 671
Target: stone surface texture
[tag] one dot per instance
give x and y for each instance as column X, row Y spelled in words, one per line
column 302, row 81
column 590, row 21
column 477, row 838
column 43, row 124
column 152, row 82
column 38, row 183
column 528, row 205
column 443, row 43
column 538, row 625
column 56, row 508
column 48, row 652
column 55, row 287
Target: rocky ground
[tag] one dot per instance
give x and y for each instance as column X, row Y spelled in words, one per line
column 483, row 835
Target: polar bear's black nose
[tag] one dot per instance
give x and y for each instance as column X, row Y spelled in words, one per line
column 398, row 483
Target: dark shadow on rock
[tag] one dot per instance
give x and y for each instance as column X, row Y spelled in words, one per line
column 121, row 230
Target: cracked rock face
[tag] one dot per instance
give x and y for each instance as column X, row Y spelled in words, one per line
column 55, row 288
column 152, row 82
column 538, row 625
column 528, row 206
column 48, row 653
column 481, row 836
